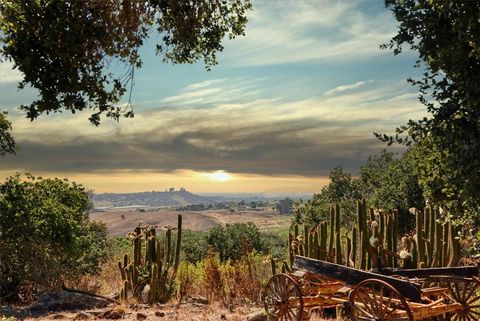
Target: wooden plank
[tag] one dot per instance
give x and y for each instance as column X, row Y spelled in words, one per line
column 353, row 276
column 462, row 271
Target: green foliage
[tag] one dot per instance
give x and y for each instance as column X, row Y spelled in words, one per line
column 45, row 235
column 234, row 240
column 195, row 246
column 389, row 182
column 386, row 181
column 446, row 143
column 65, row 48
column 7, row 143
column 342, row 189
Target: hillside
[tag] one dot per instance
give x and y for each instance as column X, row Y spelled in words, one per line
column 167, row 198
column 119, row 223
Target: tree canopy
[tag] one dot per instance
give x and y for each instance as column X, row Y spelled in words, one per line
column 446, row 143
column 67, row 49
column 387, row 181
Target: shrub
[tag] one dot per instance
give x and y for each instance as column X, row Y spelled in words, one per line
column 235, row 240
column 46, row 237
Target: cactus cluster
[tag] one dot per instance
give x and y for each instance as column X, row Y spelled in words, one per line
column 435, row 243
column 154, row 265
column 374, row 241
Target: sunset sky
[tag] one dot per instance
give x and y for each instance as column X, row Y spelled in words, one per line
column 302, row 92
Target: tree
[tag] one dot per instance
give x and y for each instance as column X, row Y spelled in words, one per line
column 7, row 143
column 390, row 182
column 285, row 206
column 65, row 48
column 446, row 144
column 386, row 181
column 342, row 190
column 234, row 240
column 45, row 235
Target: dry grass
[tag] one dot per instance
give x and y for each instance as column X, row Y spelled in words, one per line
column 195, row 221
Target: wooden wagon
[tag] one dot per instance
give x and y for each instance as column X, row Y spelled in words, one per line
column 383, row 295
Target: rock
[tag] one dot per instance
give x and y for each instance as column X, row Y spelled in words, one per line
column 141, row 316
column 259, row 315
column 69, row 300
column 159, row 314
column 199, row 299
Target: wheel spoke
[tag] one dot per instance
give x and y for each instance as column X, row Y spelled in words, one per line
column 380, row 304
column 366, row 304
column 371, row 302
column 365, row 312
column 453, row 293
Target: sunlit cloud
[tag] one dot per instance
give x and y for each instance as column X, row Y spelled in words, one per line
column 299, row 31
column 8, row 74
column 264, row 137
column 218, row 176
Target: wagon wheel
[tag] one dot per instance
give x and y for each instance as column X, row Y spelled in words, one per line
column 376, row 300
column 282, row 298
column 467, row 293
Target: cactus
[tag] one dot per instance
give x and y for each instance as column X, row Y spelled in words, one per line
column 332, row 229
column 306, row 240
column 353, row 253
column 338, row 244
column 315, row 246
column 419, row 235
column 434, row 244
column 394, row 235
column 453, row 245
column 159, row 260
column 323, row 240
column 437, row 239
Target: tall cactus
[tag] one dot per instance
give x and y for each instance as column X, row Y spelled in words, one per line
column 338, row 244
column 375, row 236
column 159, row 260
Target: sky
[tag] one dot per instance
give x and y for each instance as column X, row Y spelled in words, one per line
column 301, row 93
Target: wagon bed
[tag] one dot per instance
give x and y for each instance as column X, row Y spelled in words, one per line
column 383, row 295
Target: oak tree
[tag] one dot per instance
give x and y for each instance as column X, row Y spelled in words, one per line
column 446, row 143
column 67, row 49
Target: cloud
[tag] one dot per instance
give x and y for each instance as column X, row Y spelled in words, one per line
column 8, row 74
column 266, row 136
column 346, row 87
column 215, row 91
column 283, row 32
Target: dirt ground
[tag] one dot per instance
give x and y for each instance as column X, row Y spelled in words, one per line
column 121, row 222
column 167, row 312
column 73, row 305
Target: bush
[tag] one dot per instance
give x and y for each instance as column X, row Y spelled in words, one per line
column 234, row 240
column 46, row 237
column 194, row 245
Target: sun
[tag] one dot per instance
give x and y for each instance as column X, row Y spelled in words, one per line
column 219, row 176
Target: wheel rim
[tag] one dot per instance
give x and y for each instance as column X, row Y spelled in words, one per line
column 376, row 300
column 282, row 298
column 466, row 292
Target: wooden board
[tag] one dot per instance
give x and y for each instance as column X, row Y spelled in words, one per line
column 462, row 271
column 353, row 276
